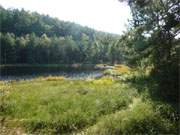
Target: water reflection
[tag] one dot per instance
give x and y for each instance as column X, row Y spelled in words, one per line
column 30, row 72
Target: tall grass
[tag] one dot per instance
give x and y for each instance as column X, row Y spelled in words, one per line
column 62, row 106
column 139, row 118
column 106, row 106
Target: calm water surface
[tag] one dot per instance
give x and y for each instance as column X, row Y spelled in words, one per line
column 29, row 72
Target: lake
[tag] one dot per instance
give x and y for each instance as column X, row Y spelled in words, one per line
column 24, row 72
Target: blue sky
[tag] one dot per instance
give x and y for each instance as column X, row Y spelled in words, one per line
column 105, row 15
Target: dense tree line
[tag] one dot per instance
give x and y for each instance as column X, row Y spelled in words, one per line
column 153, row 40
column 31, row 49
column 32, row 38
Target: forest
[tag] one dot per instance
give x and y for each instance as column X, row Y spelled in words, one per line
column 135, row 89
column 31, row 38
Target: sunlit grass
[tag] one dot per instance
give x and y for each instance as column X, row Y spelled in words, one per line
column 139, row 118
column 56, row 105
column 63, row 106
column 122, row 68
column 118, row 70
column 53, row 78
column 103, row 81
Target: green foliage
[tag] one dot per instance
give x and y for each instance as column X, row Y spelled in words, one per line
column 152, row 36
column 32, row 38
column 104, row 106
column 139, row 118
column 30, row 49
column 62, row 106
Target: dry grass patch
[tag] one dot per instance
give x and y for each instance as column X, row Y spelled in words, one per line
column 122, row 68
column 54, row 78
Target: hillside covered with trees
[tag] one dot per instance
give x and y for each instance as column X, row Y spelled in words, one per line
column 31, row 38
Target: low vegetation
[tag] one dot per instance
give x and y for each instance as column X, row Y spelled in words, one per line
column 93, row 106
column 53, row 78
column 117, row 70
column 139, row 118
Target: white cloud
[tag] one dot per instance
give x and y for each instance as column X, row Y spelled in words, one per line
column 104, row 15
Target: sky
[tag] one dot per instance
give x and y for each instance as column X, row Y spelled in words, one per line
column 104, row 15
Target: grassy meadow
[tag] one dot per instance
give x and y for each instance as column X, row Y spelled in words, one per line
column 108, row 105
